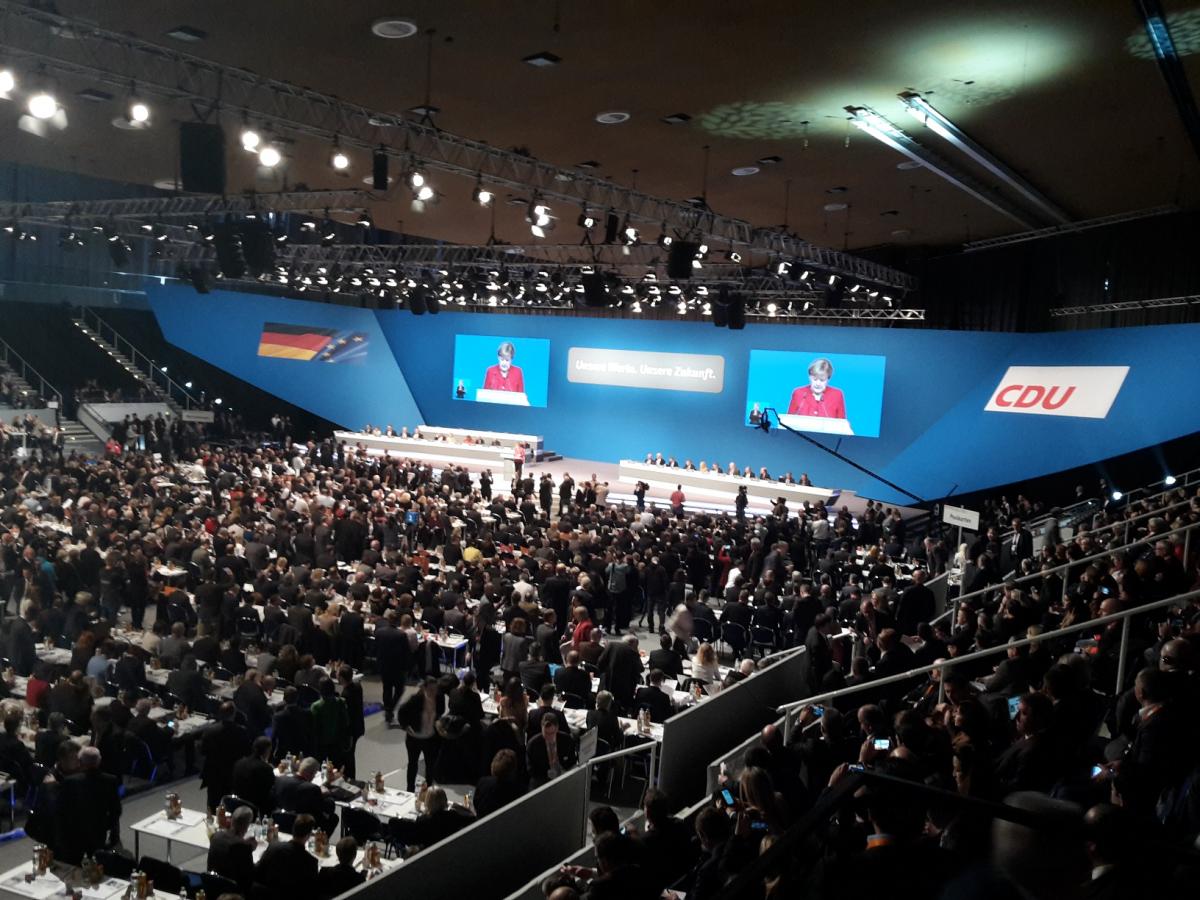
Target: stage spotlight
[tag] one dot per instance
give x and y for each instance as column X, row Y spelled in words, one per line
column 364, row 220
column 269, row 156
column 587, row 221
column 539, row 218
column 733, row 256
column 218, row 401
column 772, row 309
column 783, row 267
column 482, row 195
column 833, row 279
column 42, row 104
column 1169, row 480
column 1117, row 495
column 338, row 160
column 629, row 234
column 424, row 193
column 138, row 112
column 806, row 274
column 250, row 137
column 8, row 82
column 328, row 232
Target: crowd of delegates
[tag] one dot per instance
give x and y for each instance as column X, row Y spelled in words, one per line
column 13, row 394
column 334, row 544
column 32, row 433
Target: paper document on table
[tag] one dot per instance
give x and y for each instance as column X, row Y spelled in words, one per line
column 40, row 888
column 105, row 890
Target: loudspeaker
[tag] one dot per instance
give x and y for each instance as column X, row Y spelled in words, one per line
column 720, row 308
column 737, row 312
column 679, row 260
column 417, row 300
column 593, row 289
column 379, row 170
column 202, row 157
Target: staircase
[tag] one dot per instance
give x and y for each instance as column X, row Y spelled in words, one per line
column 140, row 367
column 24, row 377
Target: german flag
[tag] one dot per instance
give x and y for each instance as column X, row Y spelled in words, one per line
column 302, row 342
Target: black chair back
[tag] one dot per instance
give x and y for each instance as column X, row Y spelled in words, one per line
column 116, row 865
column 233, row 801
column 362, row 825
column 702, row 630
column 215, row 885
column 284, row 819
column 168, row 879
column 573, row 701
column 308, row 695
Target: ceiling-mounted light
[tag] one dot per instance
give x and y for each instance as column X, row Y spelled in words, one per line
column 8, row 82
column 783, row 267
column 138, row 111
column 587, row 220
column 665, row 240
column 364, row 220
column 249, row 136
column 269, row 156
column 339, row 161
column 415, row 179
column 424, row 193
column 482, row 195
column 539, row 218
column 42, row 104
column 806, row 274
column 733, row 256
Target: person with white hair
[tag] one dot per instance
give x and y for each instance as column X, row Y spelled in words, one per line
column 95, row 820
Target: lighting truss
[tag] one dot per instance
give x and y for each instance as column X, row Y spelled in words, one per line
column 868, row 120
column 844, row 315
column 106, row 57
column 1125, row 306
column 1056, row 230
column 925, row 113
column 188, row 205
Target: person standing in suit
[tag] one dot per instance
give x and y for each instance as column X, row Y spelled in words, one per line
column 231, row 852
column 291, row 728
column 254, row 777
column 287, row 869
column 22, row 646
column 621, row 668
column 393, row 652
column 222, row 745
column 352, row 696
column 91, row 797
column 418, row 715
column 1020, row 546
column 916, row 604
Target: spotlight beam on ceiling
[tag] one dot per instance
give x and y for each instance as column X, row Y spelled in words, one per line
column 107, row 57
column 944, row 128
column 1173, row 72
column 867, row 120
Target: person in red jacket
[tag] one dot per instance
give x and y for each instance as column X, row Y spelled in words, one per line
column 504, row 376
column 818, row 397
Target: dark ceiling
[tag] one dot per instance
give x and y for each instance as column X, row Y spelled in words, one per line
column 1064, row 91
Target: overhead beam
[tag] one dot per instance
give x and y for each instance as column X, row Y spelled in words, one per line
column 1169, row 64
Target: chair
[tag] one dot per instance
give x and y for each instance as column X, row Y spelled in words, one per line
column 214, row 885
column 168, row 879
column 763, row 637
column 284, row 819
column 362, row 825
column 308, row 695
column 233, row 801
column 735, row 636
column 116, row 865
column 573, row 701
column 221, row 674
column 702, row 631
column 141, row 761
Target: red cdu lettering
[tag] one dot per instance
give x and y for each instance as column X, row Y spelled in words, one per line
column 1049, row 403
column 1002, row 397
column 1031, row 396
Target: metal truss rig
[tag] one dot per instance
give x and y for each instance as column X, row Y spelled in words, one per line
column 107, row 57
column 1125, row 306
column 187, row 206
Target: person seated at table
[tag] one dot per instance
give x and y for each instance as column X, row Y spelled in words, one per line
column 207, row 645
column 231, row 852
column 604, row 718
column 744, row 670
column 156, row 738
column 15, row 758
column 514, row 703
column 534, row 670
column 129, row 672
column 254, row 776
column 291, row 729
column 654, row 698
column 499, row 788
column 95, row 809
column 298, row 794
column 83, row 651
column 188, row 684
column 436, row 823
column 172, row 648
column 618, row 872
column 47, row 741
column 72, row 698
column 571, row 679
column 37, row 688
column 550, row 753
column 333, row 881
column 705, row 668
column 666, row 658
column 287, row 869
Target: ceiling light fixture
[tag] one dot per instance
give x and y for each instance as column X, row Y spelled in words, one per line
column 543, row 60
column 8, row 82
column 393, row 28
column 339, row 161
column 612, row 117
column 42, row 104
column 249, row 136
column 482, row 195
column 269, row 156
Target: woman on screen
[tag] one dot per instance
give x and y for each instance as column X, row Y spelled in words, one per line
column 504, row 376
column 818, row 397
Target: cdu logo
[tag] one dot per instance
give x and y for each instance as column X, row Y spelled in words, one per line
column 1082, row 392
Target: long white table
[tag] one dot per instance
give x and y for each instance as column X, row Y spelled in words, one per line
column 722, row 485
column 506, row 439
column 476, row 455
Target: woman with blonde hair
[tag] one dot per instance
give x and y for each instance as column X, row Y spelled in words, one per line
column 705, row 667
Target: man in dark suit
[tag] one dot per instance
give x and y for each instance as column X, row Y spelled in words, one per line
column 571, row 679
column 287, row 869
column 1030, row 763
column 333, row 881
column 254, row 777
column 95, row 809
column 298, row 794
column 916, row 604
column 654, row 698
column 291, row 729
column 708, row 877
column 665, row 659
column 22, row 646
column 154, row 736
column 533, row 670
column 1012, row 674
column 550, row 753
column 666, row 842
column 1020, row 545
column 222, row 745
column 895, row 656
column 231, row 853
column 620, row 668
column 556, row 594
column 393, row 652
column 606, row 721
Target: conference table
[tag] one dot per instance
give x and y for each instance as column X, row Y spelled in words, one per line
column 61, row 877
column 506, row 439
column 453, row 453
column 718, row 484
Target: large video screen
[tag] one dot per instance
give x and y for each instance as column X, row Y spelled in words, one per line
column 831, row 393
column 509, row 370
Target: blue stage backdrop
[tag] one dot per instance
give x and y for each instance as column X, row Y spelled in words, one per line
column 961, row 411
column 231, row 330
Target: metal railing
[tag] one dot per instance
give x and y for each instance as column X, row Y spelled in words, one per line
column 95, row 327
column 1065, row 568
column 1124, row 616
column 1184, row 479
column 29, row 374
